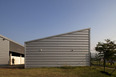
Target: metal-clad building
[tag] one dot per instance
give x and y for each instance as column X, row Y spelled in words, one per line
column 10, row 50
column 68, row 49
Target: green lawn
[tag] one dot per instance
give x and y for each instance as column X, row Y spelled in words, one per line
column 56, row 72
column 101, row 63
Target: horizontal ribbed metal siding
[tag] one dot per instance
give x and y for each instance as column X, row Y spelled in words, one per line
column 16, row 48
column 4, row 52
column 67, row 49
column 64, row 58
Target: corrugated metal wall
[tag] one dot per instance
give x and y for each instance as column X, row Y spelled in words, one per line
column 71, row 49
column 4, row 52
column 16, row 48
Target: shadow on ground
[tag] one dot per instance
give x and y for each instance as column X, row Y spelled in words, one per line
column 13, row 66
column 105, row 73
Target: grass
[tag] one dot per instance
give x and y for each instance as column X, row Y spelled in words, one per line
column 107, row 64
column 68, row 71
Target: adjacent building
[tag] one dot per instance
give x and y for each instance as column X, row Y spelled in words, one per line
column 68, row 49
column 11, row 53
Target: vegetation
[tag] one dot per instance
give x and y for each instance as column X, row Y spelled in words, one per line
column 106, row 51
column 96, row 63
column 93, row 71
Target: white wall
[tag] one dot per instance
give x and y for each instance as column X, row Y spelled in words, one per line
column 17, row 60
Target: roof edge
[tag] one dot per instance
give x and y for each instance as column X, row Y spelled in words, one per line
column 56, row 35
column 10, row 40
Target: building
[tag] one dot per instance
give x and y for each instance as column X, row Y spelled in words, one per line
column 11, row 53
column 68, row 49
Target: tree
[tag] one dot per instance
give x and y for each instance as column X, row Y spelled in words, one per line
column 107, row 50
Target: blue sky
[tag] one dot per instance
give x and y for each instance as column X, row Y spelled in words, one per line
column 24, row 20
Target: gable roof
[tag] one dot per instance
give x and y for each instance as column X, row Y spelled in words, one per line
column 57, row 35
column 10, row 40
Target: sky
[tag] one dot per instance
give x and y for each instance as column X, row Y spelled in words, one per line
column 25, row 20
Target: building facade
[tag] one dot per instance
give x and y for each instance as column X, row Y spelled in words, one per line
column 68, row 49
column 11, row 53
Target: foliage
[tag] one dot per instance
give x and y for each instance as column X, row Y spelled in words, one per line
column 106, row 50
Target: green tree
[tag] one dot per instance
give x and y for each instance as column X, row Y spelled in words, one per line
column 107, row 50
